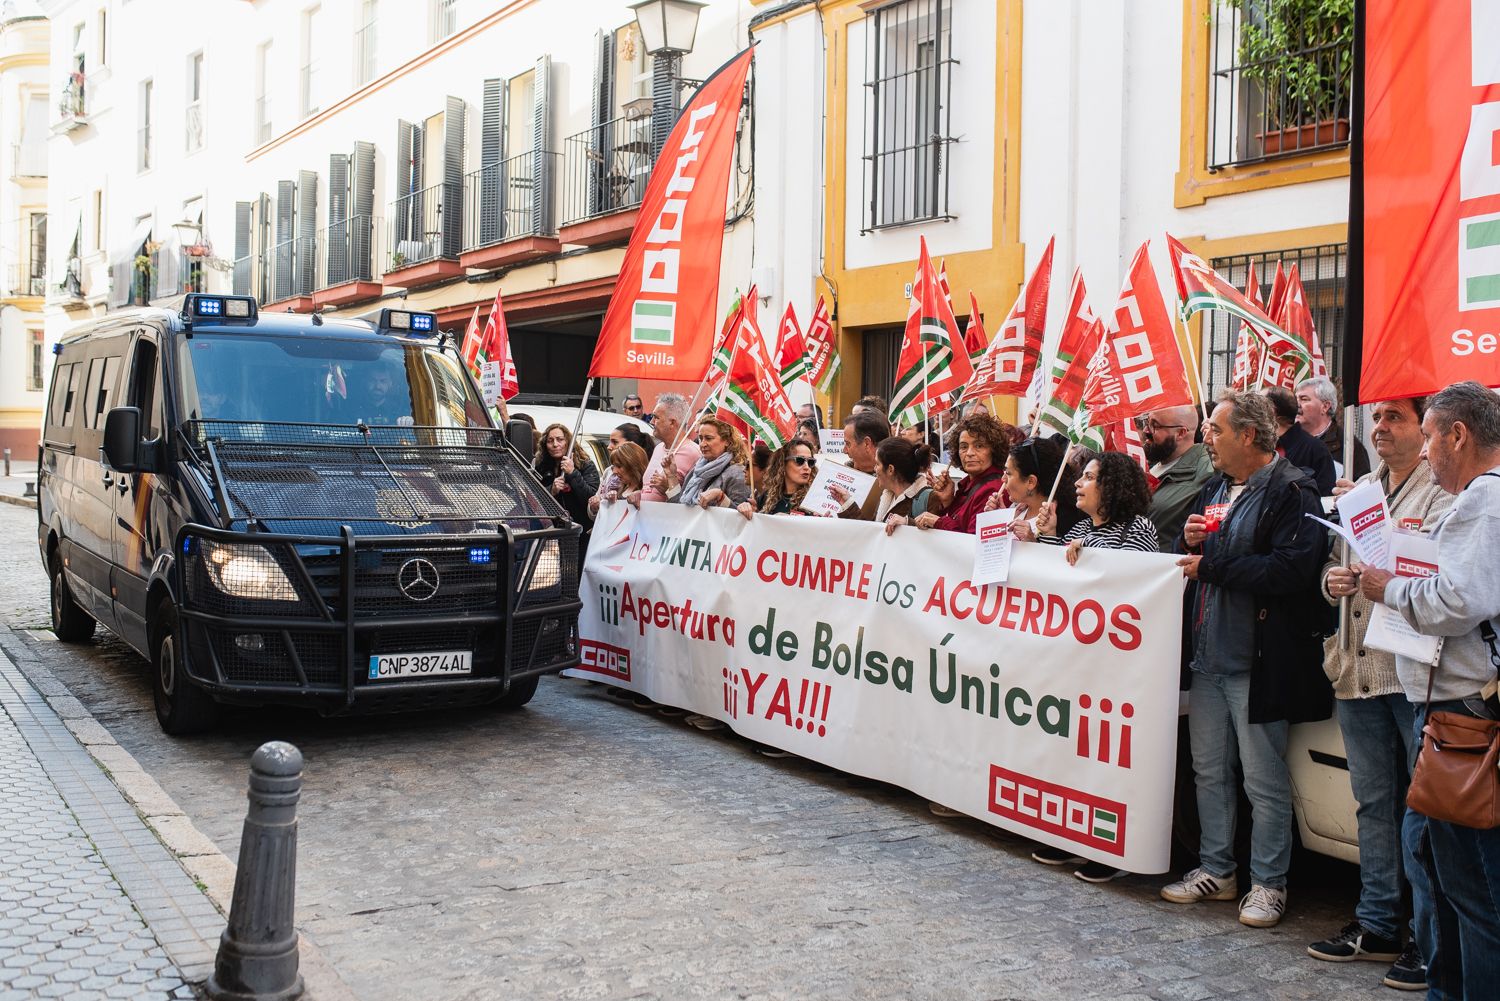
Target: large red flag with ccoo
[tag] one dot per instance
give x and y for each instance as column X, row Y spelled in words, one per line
column 1009, row 361
column 1431, row 197
column 660, row 321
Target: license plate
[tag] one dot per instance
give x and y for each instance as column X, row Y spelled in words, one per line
column 387, row 666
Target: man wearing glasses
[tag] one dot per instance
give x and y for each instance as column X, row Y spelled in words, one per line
column 1179, row 466
column 635, row 408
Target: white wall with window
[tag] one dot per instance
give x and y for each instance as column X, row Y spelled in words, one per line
column 920, row 130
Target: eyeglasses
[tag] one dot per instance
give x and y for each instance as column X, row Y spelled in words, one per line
column 802, row 460
column 1151, row 426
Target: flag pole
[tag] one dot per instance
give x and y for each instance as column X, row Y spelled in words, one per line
column 1062, row 467
column 588, row 388
column 1187, row 338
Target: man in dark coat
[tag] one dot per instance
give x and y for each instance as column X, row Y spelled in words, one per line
column 1305, row 452
column 1253, row 647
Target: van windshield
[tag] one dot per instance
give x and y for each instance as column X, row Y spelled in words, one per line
column 322, row 380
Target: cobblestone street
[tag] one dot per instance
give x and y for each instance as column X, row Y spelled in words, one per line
column 584, row 849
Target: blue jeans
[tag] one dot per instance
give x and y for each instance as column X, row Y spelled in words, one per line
column 1378, row 743
column 1221, row 734
column 1455, row 887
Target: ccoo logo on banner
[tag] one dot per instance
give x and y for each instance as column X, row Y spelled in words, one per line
column 1047, row 705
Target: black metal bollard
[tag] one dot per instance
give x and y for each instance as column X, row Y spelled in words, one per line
column 257, row 958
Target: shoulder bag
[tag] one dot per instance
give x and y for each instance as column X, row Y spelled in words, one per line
column 1457, row 778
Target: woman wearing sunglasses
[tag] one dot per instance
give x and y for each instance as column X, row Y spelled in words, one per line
column 787, row 478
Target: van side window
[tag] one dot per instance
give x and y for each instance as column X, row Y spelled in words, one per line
column 70, row 400
column 57, row 405
column 91, row 391
column 103, row 397
column 143, row 388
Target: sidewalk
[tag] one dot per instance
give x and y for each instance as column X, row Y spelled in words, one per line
column 13, row 487
column 94, row 905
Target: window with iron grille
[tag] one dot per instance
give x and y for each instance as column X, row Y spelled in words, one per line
column 1322, row 270
column 908, row 100
column 1280, row 78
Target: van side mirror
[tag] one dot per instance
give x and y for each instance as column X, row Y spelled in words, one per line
column 122, row 439
column 521, row 438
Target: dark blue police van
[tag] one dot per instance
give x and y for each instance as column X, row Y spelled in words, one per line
column 282, row 509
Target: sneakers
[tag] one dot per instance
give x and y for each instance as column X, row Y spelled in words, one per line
column 1408, row 972
column 767, row 751
column 939, row 810
column 1098, row 872
column 1354, row 942
column 1047, row 855
column 703, row 722
column 1262, row 907
column 1199, row 885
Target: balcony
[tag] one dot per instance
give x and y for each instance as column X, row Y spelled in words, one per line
column 604, row 179
column 425, row 235
column 350, row 262
column 72, row 106
column 28, row 160
column 21, row 283
column 293, row 266
column 508, row 211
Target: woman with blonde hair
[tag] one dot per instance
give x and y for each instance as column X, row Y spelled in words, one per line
column 717, row 479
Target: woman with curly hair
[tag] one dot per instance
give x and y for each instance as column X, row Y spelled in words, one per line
column 564, row 469
column 788, row 476
column 717, row 479
column 981, row 443
column 1114, row 495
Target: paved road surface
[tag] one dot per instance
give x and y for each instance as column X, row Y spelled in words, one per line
column 582, row 849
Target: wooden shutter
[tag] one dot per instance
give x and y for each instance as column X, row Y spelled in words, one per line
column 362, row 207
column 601, row 143
column 489, row 226
column 242, row 261
column 336, row 236
column 541, row 145
column 281, row 254
column 451, row 225
column 307, row 232
column 401, row 211
column 663, row 100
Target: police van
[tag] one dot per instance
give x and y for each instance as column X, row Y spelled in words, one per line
column 284, row 509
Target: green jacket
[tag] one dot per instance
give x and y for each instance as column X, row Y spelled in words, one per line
column 1175, row 495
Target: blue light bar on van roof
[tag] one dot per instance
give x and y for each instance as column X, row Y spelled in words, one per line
column 218, row 307
column 405, row 321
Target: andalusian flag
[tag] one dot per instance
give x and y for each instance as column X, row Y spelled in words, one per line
column 753, row 397
column 718, row 362
column 933, row 362
column 823, row 361
column 791, row 351
column 1064, row 410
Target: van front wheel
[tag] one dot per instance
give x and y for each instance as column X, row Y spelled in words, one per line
column 181, row 706
column 519, row 693
column 70, row 623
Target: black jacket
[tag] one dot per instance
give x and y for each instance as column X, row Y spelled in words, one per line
column 1311, row 455
column 583, row 483
column 1286, row 676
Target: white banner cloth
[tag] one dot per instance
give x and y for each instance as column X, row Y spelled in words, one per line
column 1047, row 706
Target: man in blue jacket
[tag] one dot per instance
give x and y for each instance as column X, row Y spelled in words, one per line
column 1253, row 646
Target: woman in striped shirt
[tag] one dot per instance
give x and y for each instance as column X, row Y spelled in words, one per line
column 1114, row 495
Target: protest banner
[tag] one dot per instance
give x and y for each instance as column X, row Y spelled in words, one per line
column 1047, row 706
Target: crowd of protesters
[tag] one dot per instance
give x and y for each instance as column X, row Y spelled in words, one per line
column 1275, row 616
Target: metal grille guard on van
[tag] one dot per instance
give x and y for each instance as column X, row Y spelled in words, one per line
column 270, row 617
column 263, row 471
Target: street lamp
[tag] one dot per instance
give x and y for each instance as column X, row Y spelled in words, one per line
column 668, row 29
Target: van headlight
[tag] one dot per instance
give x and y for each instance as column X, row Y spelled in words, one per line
column 243, row 571
column 546, row 574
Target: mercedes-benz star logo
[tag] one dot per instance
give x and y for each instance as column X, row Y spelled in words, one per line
column 418, row 579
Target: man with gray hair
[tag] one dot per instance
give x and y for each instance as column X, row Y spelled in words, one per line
column 1253, row 650
column 1454, row 870
column 669, row 417
column 1318, row 408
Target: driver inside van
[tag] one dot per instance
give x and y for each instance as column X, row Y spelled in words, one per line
column 381, row 402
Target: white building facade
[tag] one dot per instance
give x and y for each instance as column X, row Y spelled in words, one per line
column 24, row 118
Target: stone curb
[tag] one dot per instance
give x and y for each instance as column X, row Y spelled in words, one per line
column 194, row 851
column 19, row 501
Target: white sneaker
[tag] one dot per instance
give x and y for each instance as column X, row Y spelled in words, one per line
column 703, row 722
column 1262, row 907
column 1199, row 885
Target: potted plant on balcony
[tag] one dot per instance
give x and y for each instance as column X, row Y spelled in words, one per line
column 1301, row 54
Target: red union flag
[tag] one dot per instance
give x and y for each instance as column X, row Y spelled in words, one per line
column 1431, row 243
column 791, row 349
column 659, row 324
column 933, row 362
column 492, row 344
column 1010, row 360
column 1296, row 319
column 1139, row 368
column 753, row 397
column 822, row 351
column 1247, row 346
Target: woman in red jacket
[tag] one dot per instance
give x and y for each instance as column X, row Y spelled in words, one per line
column 981, row 444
